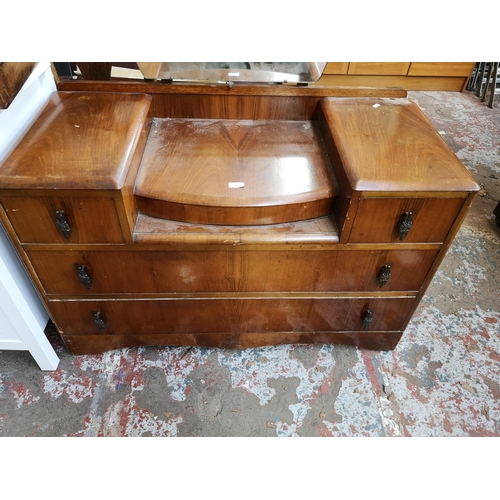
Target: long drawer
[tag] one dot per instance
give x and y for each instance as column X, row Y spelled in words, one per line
column 230, row 315
column 97, row 272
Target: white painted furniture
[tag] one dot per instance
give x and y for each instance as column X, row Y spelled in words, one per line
column 22, row 315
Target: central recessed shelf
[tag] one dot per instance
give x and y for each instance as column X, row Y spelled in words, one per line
column 238, row 172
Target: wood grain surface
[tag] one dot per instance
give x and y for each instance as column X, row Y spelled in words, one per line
column 217, row 271
column 222, row 275
column 320, row 231
column 80, row 141
column 13, row 75
column 235, row 172
column 430, row 69
column 378, row 220
column 389, row 145
column 378, row 68
column 91, row 219
column 236, row 316
column 433, row 83
column 235, row 90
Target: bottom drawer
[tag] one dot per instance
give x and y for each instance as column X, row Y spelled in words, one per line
column 230, row 315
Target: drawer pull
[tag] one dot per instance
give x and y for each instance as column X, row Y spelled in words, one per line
column 62, row 224
column 385, row 275
column 99, row 321
column 405, row 226
column 84, row 277
column 367, row 319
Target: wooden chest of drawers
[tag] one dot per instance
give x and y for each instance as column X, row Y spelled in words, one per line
column 235, row 231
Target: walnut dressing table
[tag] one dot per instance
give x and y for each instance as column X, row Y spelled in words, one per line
column 233, row 218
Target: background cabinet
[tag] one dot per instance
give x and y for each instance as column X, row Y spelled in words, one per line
column 447, row 76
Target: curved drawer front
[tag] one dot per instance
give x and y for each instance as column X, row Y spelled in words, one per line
column 385, row 220
column 253, row 315
column 97, row 272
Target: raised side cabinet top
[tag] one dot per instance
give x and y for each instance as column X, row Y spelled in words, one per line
column 80, row 141
column 389, row 145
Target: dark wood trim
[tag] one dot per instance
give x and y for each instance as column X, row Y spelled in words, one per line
column 235, row 90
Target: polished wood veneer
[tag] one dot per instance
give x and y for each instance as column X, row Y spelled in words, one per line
column 182, row 271
column 80, row 141
column 237, row 172
column 389, row 146
column 378, row 219
column 92, row 219
column 124, row 210
column 235, row 315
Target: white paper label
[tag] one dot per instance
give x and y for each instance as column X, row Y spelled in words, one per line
column 235, row 185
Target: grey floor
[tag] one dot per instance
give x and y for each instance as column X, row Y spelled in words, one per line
column 443, row 379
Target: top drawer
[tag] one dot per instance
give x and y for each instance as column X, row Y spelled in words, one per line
column 61, row 219
column 404, row 220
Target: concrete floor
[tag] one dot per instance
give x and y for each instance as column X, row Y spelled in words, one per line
column 443, row 379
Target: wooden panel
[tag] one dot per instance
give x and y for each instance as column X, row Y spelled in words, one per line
column 334, row 271
column 96, row 344
column 204, row 214
column 95, row 70
column 92, row 220
column 241, row 102
column 194, row 316
column 13, row 75
column 441, row 255
column 80, row 141
column 379, row 220
column 378, row 68
column 232, row 107
column 224, row 90
column 322, row 231
column 441, row 69
column 235, row 172
column 389, row 145
column 336, row 68
column 448, row 84
column 126, row 206
column 230, row 271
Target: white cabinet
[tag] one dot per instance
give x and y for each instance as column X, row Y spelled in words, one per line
column 22, row 314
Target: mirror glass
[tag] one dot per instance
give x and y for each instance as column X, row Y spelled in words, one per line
column 254, row 72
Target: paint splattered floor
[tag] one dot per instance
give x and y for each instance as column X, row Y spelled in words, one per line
column 443, row 379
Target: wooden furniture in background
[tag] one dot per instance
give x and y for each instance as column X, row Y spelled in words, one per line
column 95, row 70
column 441, row 76
column 96, row 201
column 447, row 76
column 13, row 75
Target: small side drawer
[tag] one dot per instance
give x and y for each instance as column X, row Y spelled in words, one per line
column 404, row 220
column 230, row 315
column 60, row 219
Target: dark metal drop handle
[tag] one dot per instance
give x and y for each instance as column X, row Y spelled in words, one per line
column 367, row 319
column 84, row 277
column 62, row 224
column 385, row 275
column 99, row 321
column 405, row 225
